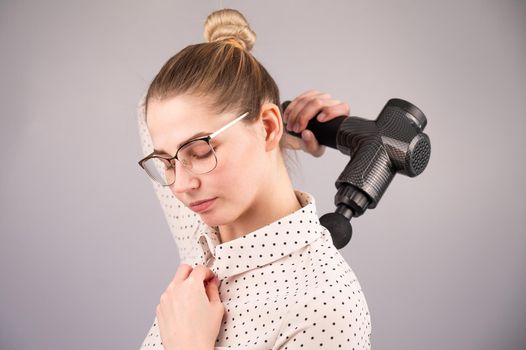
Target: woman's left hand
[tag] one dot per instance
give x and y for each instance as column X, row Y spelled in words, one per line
column 190, row 311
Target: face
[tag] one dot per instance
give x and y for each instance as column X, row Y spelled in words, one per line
column 241, row 150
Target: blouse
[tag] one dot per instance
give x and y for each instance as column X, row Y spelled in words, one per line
column 284, row 285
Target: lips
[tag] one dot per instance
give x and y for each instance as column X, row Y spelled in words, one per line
column 199, row 202
column 204, row 205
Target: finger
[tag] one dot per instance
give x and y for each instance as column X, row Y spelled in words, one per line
column 201, row 273
column 182, row 273
column 300, row 105
column 311, row 144
column 334, row 111
column 297, row 104
column 310, row 110
column 309, row 141
column 293, row 103
column 212, row 290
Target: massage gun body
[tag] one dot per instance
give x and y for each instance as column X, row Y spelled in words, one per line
column 393, row 143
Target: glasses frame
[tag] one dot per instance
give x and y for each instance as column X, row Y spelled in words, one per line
column 206, row 138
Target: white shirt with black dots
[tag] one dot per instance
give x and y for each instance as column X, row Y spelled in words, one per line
column 284, row 285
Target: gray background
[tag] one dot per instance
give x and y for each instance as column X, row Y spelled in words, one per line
column 85, row 251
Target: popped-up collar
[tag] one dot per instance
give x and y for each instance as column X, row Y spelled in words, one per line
column 264, row 245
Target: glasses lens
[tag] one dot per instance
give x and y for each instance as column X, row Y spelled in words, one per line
column 160, row 170
column 198, row 156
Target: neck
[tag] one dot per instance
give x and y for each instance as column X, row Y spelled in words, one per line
column 275, row 200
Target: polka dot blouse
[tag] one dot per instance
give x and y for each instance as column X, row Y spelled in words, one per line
column 284, row 285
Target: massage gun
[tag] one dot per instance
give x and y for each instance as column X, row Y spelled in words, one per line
column 393, row 143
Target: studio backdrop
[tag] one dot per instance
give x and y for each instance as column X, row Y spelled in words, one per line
column 86, row 251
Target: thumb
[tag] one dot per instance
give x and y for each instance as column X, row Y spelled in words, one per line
column 311, row 144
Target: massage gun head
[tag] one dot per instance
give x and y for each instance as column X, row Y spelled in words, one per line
column 411, row 155
column 393, row 143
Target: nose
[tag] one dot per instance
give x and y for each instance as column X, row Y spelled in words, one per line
column 185, row 180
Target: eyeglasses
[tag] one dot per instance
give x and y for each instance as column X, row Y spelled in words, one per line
column 197, row 155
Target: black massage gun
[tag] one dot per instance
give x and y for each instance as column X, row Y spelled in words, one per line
column 393, row 143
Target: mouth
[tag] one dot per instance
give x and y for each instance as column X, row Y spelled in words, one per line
column 199, row 206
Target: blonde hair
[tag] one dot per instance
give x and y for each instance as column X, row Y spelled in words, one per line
column 231, row 25
column 221, row 70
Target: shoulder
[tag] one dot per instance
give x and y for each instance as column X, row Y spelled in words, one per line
column 331, row 318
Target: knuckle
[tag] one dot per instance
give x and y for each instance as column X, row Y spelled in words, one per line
column 183, row 267
column 201, row 268
column 170, row 287
column 198, row 267
column 163, row 298
column 317, row 103
column 287, row 111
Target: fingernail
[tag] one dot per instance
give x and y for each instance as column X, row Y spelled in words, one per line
column 307, row 135
column 321, row 117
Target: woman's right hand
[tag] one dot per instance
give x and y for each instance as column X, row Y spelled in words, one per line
column 302, row 109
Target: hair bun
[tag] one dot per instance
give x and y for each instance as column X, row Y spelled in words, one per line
column 229, row 24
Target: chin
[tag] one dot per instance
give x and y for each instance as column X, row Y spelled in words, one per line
column 210, row 217
column 213, row 218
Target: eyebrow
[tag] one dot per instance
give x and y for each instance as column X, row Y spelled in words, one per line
column 202, row 133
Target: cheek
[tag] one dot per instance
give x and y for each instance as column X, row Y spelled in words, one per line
column 237, row 170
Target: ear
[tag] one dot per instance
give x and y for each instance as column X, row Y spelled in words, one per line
column 272, row 125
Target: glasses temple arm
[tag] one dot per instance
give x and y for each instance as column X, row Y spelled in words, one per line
column 214, row 134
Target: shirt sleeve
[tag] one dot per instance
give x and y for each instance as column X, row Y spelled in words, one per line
column 153, row 338
column 320, row 322
column 183, row 222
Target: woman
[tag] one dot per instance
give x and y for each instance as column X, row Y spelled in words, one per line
column 258, row 270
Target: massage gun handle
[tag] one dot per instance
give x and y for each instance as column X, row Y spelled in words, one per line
column 325, row 132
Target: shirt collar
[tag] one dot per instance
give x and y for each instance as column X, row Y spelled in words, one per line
column 264, row 245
